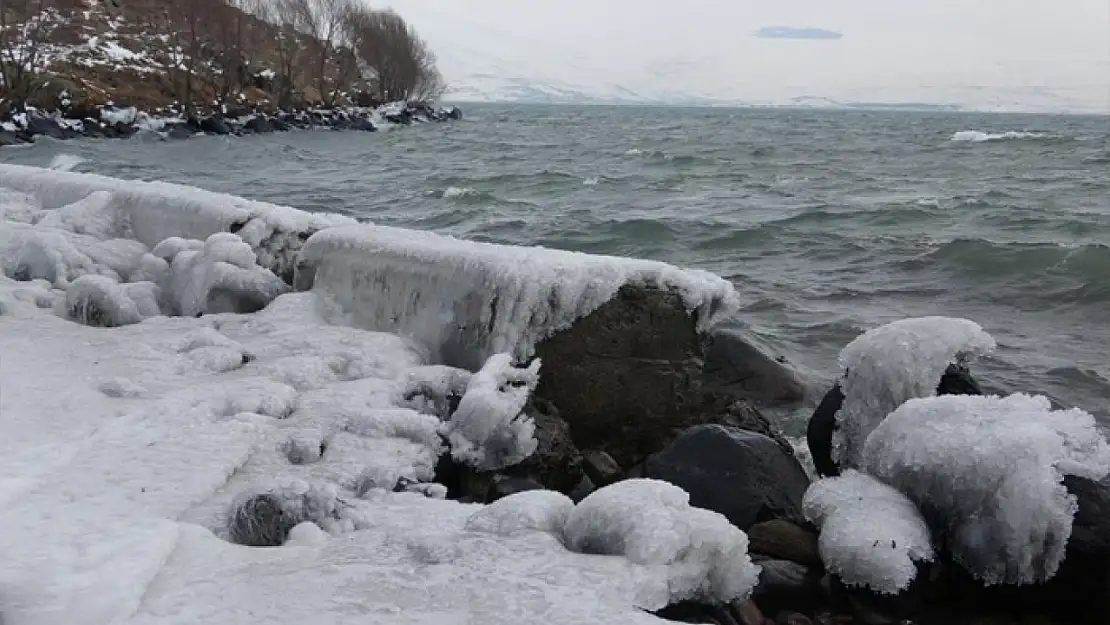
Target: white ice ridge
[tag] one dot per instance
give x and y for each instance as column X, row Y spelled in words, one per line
column 871, row 535
column 891, row 364
column 467, row 300
column 988, row 473
column 153, row 211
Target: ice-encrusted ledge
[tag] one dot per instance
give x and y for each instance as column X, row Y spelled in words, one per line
column 466, row 300
column 160, row 210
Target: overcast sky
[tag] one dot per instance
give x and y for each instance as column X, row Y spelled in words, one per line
column 1033, row 52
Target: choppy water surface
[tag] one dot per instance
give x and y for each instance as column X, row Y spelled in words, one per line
column 828, row 222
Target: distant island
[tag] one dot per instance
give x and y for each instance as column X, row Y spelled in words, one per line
column 789, row 32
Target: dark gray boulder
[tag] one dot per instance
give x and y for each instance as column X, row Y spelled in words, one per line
column 46, row 127
column 735, row 367
column 626, row 377
column 743, row 475
column 785, row 585
column 258, row 125
column 214, row 126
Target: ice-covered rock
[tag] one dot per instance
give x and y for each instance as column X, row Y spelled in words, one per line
column 893, row 363
column 988, row 474
column 532, row 510
column 651, row 522
column 435, row 389
column 743, row 475
column 60, row 256
column 218, row 276
column 159, row 210
column 871, row 535
column 488, row 430
column 103, row 302
column 264, row 517
column 95, row 215
column 466, row 301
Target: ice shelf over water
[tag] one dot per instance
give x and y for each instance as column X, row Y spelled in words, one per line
column 466, row 300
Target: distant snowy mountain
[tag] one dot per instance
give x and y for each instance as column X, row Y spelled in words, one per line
column 578, row 52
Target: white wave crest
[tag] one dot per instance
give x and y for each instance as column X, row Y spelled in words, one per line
column 65, row 162
column 457, row 192
column 978, row 136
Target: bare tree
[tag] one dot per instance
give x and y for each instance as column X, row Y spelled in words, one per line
column 185, row 44
column 402, row 65
column 232, row 38
column 324, row 21
column 286, row 17
column 26, row 26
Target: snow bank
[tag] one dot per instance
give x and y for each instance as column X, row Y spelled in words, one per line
column 126, row 452
column 988, row 471
column 871, row 535
column 488, row 430
column 896, row 362
column 466, row 300
column 159, row 210
column 651, row 522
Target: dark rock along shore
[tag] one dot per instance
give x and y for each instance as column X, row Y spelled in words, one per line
column 92, row 122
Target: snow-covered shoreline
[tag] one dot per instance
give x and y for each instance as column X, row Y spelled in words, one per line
column 186, row 373
column 132, row 444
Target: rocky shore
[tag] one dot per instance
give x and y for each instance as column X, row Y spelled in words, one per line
column 24, row 125
column 638, row 388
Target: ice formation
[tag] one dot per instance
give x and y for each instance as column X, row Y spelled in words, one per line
column 651, row 522
column 155, row 211
column 466, row 300
column 488, row 430
column 531, row 510
column 264, row 517
column 988, row 472
column 890, row 364
column 127, row 448
column 218, row 276
column 871, row 535
column 99, row 301
column 435, row 389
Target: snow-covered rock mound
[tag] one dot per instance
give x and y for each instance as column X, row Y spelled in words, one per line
column 871, row 534
column 988, row 472
column 218, row 275
column 532, row 510
column 651, row 522
column 893, row 363
column 100, row 301
column 467, row 301
column 264, row 517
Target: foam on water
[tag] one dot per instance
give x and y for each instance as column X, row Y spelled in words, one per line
column 65, row 162
column 978, row 136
